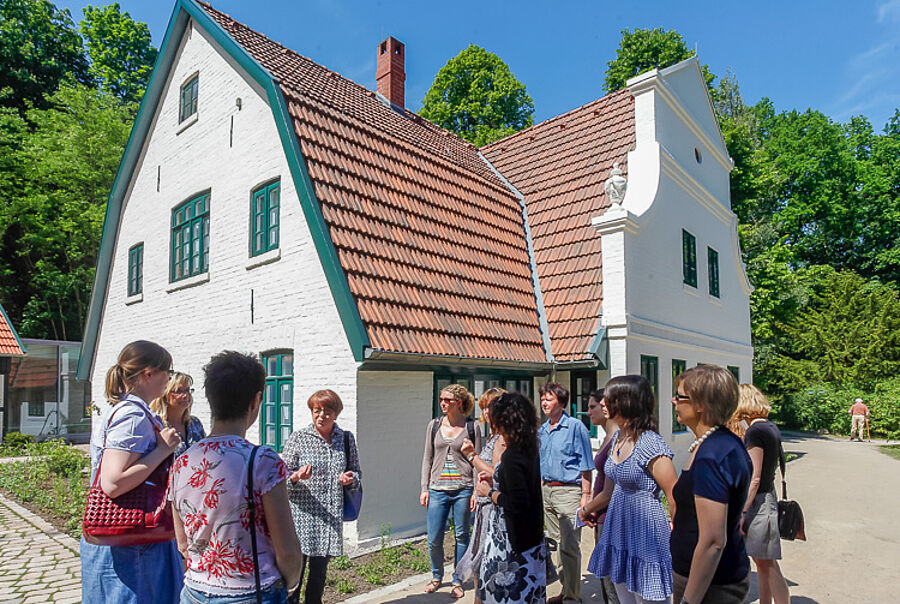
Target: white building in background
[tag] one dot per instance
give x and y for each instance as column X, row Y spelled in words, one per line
column 268, row 205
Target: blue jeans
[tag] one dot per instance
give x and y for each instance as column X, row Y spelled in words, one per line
column 440, row 504
column 273, row 594
column 131, row 574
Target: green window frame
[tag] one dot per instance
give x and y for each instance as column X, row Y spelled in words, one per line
column 136, row 269
column 265, row 204
column 679, row 366
column 190, row 238
column 689, row 258
column 712, row 260
column 276, row 415
column 583, row 382
column 650, row 370
column 477, row 384
column 736, row 372
column 189, row 94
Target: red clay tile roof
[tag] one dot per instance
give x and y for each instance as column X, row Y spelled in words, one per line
column 9, row 340
column 560, row 166
column 432, row 242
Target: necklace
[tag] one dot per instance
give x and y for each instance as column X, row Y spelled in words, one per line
column 697, row 442
column 619, row 442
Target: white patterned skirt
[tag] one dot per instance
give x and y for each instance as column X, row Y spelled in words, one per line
column 507, row 576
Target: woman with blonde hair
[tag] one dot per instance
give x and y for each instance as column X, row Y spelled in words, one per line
column 491, row 451
column 448, row 480
column 131, row 442
column 709, row 559
column 760, row 516
column 174, row 408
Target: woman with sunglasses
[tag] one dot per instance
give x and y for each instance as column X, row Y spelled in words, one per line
column 174, row 407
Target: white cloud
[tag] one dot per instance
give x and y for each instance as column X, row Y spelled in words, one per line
column 888, row 11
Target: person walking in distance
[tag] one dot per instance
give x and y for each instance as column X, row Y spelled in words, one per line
column 566, row 464
column 859, row 414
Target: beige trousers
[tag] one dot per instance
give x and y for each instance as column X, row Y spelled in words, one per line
column 560, row 513
column 858, row 426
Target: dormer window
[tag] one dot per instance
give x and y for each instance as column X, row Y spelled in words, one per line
column 189, row 98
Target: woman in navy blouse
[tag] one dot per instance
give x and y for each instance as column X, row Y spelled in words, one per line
column 709, row 559
column 174, row 407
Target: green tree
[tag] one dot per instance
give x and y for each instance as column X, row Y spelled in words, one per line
column 476, row 96
column 645, row 49
column 39, row 48
column 119, row 47
column 850, row 333
column 52, row 221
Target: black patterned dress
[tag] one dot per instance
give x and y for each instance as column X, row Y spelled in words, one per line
column 317, row 504
column 507, row 576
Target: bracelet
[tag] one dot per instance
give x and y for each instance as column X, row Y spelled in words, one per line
column 470, row 458
column 491, row 494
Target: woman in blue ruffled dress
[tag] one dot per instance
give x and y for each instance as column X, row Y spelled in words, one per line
column 634, row 548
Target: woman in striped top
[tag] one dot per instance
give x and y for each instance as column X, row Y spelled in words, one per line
column 447, row 480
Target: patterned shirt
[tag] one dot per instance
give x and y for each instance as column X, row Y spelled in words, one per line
column 194, row 433
column 208, row 485
column 317, row 504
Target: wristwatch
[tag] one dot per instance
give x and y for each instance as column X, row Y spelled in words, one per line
column 470, row 458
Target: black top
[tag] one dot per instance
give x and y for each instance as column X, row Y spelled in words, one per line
column 721, row 472
column 767, row 437
column 519, row 477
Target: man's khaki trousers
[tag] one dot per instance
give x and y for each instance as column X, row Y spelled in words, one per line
column 560, row 513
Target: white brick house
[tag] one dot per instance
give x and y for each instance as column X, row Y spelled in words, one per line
column 391, row 258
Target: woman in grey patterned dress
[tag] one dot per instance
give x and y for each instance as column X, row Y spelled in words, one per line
column 321, row 468
column 484, row 462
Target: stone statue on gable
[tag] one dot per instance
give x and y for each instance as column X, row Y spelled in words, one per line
column 615, row 185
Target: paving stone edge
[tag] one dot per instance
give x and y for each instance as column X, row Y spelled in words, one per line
column 45, row 527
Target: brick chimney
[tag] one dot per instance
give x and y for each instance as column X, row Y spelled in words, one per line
column 390, row 72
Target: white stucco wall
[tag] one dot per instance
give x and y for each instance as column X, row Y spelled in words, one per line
column 293, row 306
column 395, row 408
column 648, row 310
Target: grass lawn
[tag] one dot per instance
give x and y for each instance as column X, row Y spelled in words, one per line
column 891, row 450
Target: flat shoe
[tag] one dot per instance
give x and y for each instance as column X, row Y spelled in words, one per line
column 432, row 586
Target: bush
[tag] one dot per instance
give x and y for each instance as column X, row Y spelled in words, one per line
column 15, row 443
column 826, row 407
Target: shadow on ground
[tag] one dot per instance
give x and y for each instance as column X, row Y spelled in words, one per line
column 753, row 596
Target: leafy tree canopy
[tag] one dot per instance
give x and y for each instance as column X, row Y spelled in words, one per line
column 645, row 49
column 476, row 96
column 119, row 47
column 62, row 167
column 39, row 48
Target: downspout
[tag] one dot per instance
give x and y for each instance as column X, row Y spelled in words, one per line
column 543, row 325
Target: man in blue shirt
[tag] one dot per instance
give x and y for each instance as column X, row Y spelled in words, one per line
column 566, row 465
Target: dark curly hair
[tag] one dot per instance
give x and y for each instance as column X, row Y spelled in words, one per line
column 631, row 398
column 514, row 416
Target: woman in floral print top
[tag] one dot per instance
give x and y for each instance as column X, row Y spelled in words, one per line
column 209, row 494
column 321, row 469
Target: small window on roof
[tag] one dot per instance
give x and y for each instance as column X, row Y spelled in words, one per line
column 189, row 98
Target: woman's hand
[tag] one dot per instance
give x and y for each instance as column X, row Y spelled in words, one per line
column 473, row 502
column 482, row 489
column 588, row 519
column 467, row 448
column 168, row 439
column 302, row 474
column 423, row 499
column 346, row 479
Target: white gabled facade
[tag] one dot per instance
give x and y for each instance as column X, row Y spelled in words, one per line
column 678, row 180
column 279, row 300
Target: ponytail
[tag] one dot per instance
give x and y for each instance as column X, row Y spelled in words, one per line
column 134, row 359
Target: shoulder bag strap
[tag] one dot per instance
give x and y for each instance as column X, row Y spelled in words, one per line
column 435, row 426
column 781, row 465
column 346, row 451
column 251, row 503
column 115, row 408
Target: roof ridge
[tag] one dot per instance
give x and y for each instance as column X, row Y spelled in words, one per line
column 553, row 119
column 409, row 114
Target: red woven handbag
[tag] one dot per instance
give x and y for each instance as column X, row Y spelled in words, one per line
column 140, row 516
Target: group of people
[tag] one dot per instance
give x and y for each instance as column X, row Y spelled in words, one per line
column 530, row 490
column 231, row 544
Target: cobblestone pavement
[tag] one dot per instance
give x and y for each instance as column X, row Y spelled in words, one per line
column 37, row 562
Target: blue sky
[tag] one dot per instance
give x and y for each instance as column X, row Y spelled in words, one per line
column 838, row 57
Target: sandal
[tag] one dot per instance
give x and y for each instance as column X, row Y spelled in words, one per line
column 432, row 586
column 457, row 592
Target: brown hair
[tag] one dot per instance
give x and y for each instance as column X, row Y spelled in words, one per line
column 135, row 358
column 489, row 396
column 465, row 398
column 160, row 405
column 328, row 399
column 558, row 390
column 753, row 403
column 713, row 387
column 630, row 398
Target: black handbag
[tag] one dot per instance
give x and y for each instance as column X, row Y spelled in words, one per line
column 790, row 516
